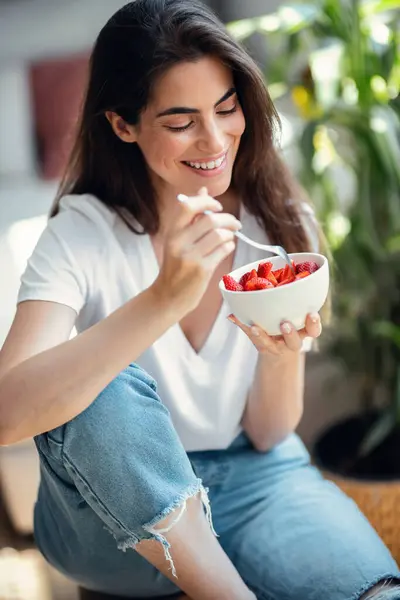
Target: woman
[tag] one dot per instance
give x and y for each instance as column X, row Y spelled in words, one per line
column 174, row 106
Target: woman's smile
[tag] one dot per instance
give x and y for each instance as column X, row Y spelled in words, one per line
column 195, row 133
column 208, row 166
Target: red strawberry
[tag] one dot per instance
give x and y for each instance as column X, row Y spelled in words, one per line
column 258, row 283
column 302, row 274
column 231, row 284
column 278, row 274
column 287, row 274
column 264, row 269
column 271, row 277
column 310, row 266
column 247, row 276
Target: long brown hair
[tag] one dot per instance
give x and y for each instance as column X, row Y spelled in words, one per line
column 141, row 41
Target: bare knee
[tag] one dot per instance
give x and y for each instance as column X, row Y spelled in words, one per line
column 386, row 590
column 192, row 519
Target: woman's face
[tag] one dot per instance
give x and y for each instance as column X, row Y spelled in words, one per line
column 190, row 132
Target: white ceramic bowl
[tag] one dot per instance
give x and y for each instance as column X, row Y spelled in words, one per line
column 291, row 302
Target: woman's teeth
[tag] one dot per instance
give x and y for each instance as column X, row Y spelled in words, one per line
column 212, row 164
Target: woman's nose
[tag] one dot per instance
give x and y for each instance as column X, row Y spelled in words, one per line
column 213, row 139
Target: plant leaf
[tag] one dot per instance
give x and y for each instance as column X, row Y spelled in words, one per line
column 243, row 28
column 377, row 6
column 388, row 330
column 295, row 17
column 393, row 244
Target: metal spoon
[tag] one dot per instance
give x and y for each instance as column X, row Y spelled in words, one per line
column 278, row 250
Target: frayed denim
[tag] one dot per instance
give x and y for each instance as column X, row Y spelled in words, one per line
column 109, row 476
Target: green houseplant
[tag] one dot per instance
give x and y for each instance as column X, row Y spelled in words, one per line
column 337, row 64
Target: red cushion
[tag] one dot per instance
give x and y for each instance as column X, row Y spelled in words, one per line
column 57, row 88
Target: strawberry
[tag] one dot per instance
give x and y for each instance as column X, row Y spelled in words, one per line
column 287, row 274
column 258, row 283
column 247, row 276
column 271, row 277
column 264, row 269
column 302, row 274
column 278, row 274
column 231, row 284
column 310, row 266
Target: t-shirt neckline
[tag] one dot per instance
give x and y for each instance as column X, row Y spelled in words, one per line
column 215, row 339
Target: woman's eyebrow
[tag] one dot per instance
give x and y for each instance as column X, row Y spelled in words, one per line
column 184, row 110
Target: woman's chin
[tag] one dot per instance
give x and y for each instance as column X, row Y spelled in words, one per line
column 215, row 188
column 219, row 189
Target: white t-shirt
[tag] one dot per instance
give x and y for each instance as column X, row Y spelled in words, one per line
column 88, row 259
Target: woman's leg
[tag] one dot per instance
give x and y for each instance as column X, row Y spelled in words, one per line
column 291, row 534
column 120, row 466
column 388, row 590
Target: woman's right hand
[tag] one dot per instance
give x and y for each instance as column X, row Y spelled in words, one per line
column 195, row 245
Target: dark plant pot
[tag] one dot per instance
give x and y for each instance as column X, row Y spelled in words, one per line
column 372, row 482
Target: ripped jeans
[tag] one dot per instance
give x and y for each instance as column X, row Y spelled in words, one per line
column 112, row 473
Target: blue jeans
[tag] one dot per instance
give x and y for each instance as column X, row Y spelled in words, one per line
column 119, row 468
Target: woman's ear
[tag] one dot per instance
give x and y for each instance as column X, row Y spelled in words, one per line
column 125, row 132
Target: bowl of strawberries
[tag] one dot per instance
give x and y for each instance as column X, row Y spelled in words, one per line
column 266, row 293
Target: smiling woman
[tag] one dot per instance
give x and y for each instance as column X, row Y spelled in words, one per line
column 134, row 456
column 195, row 98
column 197, row 138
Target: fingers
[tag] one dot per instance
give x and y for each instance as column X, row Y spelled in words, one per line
column 294, row 339
column 201, row 240
column 210, row 242
column 208, row 223
column 207, row 236
column 261, row 340
column 190, row 206
column 211, row 261
column 291, row 339
column 313, row 326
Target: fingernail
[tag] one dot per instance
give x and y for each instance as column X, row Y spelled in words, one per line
column 315, row 318
column 239, row 224
column 231, row 318
column 182, row 197
column 255, row 331
column 286, row 328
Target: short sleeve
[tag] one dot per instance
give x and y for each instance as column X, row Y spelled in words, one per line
column 55, row 271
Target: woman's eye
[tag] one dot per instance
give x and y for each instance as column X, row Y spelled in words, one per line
column 185, row 127
column 182, row 128
column 228, row 112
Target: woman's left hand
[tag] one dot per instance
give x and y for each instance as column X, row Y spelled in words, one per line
column 290, row 340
